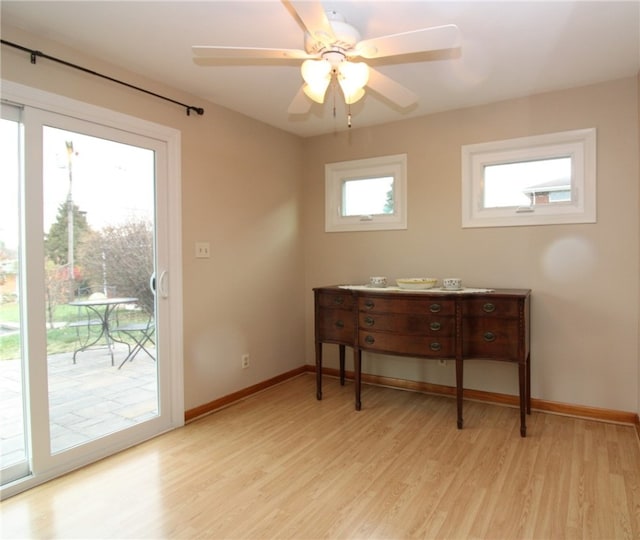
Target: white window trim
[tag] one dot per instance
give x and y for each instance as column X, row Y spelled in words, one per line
column 580, row 145
column 337, row 173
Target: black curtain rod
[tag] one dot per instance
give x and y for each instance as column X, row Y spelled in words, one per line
column 34, row 54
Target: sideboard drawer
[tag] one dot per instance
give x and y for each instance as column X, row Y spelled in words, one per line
column 490, row 307
column 417, row 323
column 340, row 300
column 398, row 304
column 413, row 345
column 490, row 338
column 336, row 325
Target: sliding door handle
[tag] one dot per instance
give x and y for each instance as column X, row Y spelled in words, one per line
column 163, row 284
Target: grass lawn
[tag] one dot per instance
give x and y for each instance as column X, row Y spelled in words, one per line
column 60, row 338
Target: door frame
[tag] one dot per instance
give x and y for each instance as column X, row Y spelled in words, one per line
column 169, row 269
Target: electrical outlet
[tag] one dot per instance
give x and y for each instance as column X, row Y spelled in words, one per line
column 442, row 362
column 202, row 250
column 245, row 361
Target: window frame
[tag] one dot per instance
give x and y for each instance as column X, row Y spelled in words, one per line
column 579, row 145
column 336, row 174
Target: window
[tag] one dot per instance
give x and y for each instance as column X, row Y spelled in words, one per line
column 538, row 180
column 366, row 194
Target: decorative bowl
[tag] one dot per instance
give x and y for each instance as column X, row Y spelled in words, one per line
column 417, row 283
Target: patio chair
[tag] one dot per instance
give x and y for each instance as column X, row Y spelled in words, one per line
column 142, row 334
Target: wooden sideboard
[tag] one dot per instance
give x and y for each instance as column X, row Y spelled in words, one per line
column 426, row 324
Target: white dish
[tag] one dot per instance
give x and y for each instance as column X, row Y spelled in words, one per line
column 451, row 288
column 416, row 283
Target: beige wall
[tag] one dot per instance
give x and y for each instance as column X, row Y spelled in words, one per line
column 584, row 277
column 257, row 195
column 241, row 193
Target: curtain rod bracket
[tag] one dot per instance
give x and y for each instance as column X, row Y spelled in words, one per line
column 34, row 54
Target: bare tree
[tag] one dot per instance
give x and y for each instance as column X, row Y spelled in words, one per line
column 58, row 287
column 118, row 260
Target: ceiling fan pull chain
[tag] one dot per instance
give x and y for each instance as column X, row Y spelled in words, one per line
column 333, row 95
column 349, row 115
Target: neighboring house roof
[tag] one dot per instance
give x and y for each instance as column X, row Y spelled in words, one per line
column 559, row 184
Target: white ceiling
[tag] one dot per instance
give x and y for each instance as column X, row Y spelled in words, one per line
column 509, row 49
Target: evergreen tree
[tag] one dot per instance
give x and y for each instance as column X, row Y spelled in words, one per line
column 56, row 242
column 388, row 203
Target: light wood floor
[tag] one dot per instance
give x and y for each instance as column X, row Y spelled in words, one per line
column 283, row 465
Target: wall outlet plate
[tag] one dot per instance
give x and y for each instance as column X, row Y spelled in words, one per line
column 202, row 250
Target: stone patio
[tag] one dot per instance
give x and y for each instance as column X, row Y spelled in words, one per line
column 87, row 400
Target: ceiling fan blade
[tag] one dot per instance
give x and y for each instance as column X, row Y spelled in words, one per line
column 390, row 89
column 213, row 51
column 416, row 41
column 314, row 18
column 300, row 104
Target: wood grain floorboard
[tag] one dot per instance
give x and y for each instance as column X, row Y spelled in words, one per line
column 281, row 464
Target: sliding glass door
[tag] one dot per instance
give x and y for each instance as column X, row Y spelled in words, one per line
column 86, row 363
column 99, row 238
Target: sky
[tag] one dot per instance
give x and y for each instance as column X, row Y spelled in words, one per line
column 8, row 183
column 366, row 196
column 504, row 183
column 111, row 181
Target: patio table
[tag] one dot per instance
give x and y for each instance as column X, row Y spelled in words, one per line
column 101, row 308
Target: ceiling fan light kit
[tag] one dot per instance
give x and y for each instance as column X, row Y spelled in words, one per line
column 317, row 76
column 330, row 44
column 351, row 76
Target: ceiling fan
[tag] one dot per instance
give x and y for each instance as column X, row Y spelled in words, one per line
column 331, row 47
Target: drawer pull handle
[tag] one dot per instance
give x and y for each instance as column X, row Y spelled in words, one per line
column 435, row 346
column 369, row 321
column 435, row 326
column 339, row 324
column 369, row 304
column 338, row 300
column 489, row 336
column 435, row 308
column 369, row 340
column 489, row 307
